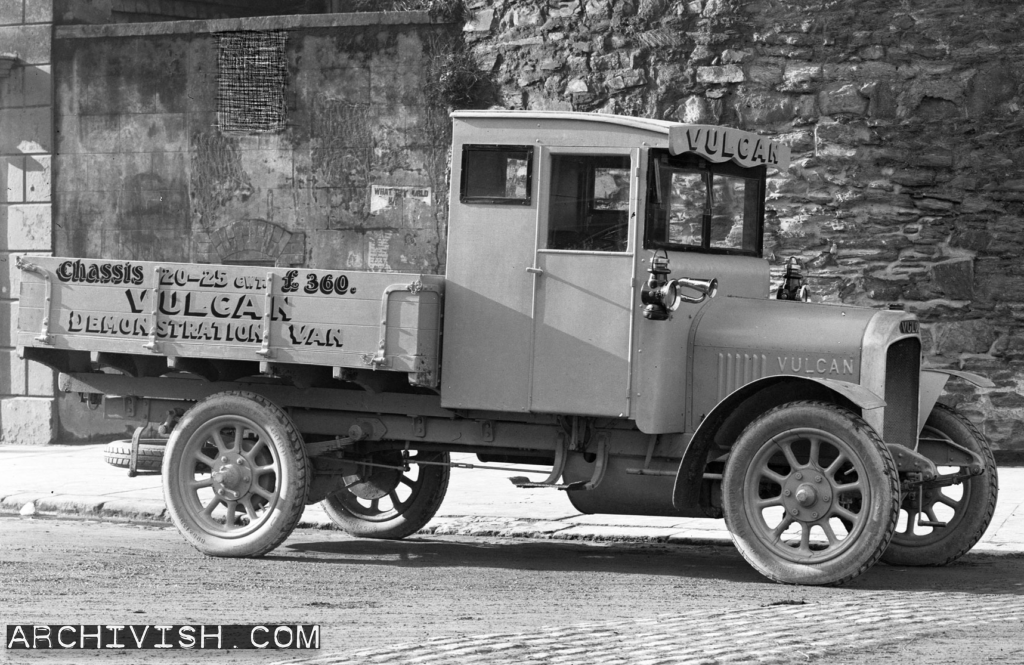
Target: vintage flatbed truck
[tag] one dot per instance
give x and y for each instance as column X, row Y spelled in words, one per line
column 605, row 311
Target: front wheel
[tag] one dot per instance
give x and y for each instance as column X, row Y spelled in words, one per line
column 236, row 475
column 966, row 508
column 810, row 494
column 394, row 494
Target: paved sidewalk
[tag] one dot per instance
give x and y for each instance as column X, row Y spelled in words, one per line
column 74, row 480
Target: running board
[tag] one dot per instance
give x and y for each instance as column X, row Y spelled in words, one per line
column 525, row 483
column 556, row 472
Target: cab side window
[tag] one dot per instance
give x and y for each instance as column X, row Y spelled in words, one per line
column 589, row 208
column 501, row 174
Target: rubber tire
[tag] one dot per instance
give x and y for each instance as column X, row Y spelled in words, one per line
column 119, row 454
column 880, row 470
column 979, row 491
column 293, row 487
column 425, row 505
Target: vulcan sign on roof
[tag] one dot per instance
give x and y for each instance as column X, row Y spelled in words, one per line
column 725, row 144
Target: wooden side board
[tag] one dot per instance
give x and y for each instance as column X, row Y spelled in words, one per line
column 381, row 321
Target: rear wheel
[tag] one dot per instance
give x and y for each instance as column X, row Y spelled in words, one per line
column 391, row 497
column 965, row 508
column 810, row 494
column 236, row 475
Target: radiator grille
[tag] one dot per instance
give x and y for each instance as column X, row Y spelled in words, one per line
column 902, row 375
column 736, row 370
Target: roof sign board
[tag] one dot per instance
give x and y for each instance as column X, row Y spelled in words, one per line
column 723, row 144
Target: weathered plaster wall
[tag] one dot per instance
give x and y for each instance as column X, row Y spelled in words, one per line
column 144, row 170
column 906, row 126
column 130, row 11
column 26, row 146
column 354, row 178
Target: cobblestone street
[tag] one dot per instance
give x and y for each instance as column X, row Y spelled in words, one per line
column 456, row 599
column 777, row 633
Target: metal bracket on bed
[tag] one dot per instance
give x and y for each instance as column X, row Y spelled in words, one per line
column 154, row 310
column 379, row 360
column 268, row 304
column 44, row 336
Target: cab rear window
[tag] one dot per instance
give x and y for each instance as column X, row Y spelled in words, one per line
column 500, row 174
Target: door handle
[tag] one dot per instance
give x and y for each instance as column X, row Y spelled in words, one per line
column 536, row 271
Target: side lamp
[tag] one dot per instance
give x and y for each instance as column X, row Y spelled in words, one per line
column 661, row 295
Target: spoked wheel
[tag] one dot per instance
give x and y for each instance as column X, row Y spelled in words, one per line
column 966, row 509
column 810, row 494
column 392, row 497
column 235, row 475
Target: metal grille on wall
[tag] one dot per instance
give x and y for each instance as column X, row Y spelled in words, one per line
column 250, row 82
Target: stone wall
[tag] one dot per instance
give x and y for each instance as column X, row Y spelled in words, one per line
column 26, row 146
column 905, row 122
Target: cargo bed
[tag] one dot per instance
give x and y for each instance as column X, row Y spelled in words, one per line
column 339, row 319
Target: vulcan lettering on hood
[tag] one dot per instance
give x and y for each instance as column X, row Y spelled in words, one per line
column 812, row 365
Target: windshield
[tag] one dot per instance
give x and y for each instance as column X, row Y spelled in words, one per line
column 694, row 205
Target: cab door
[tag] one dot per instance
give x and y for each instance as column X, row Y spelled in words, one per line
column 583, row 281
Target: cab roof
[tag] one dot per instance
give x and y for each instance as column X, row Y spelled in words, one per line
column 714, row 143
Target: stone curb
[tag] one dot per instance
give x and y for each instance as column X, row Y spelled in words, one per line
column 78, row 505
column 149, row 510
column 556, row 530
column 15, row 502
column 99, row 507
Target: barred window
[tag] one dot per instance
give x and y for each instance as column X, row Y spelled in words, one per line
column 250, row 82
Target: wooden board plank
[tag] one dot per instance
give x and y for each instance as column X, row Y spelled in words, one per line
column 400, row 360
column 100, row 326
column 405, row 310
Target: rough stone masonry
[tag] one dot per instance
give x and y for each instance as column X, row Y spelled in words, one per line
column 905, row 121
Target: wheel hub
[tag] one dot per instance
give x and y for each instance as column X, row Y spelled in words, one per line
column 232, row 478
column 807, row 495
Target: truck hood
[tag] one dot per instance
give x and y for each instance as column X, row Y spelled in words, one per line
column 782, row 326
column 740, row 340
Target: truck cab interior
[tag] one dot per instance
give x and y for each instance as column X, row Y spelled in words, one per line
column 589, row 203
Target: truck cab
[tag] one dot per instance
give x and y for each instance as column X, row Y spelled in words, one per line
column 554, row 221
column 559, row 223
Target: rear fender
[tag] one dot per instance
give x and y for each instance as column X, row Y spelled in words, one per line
column 738, row 409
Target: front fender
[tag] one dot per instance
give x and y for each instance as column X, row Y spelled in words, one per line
column 686, row 491
column 933, row 380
